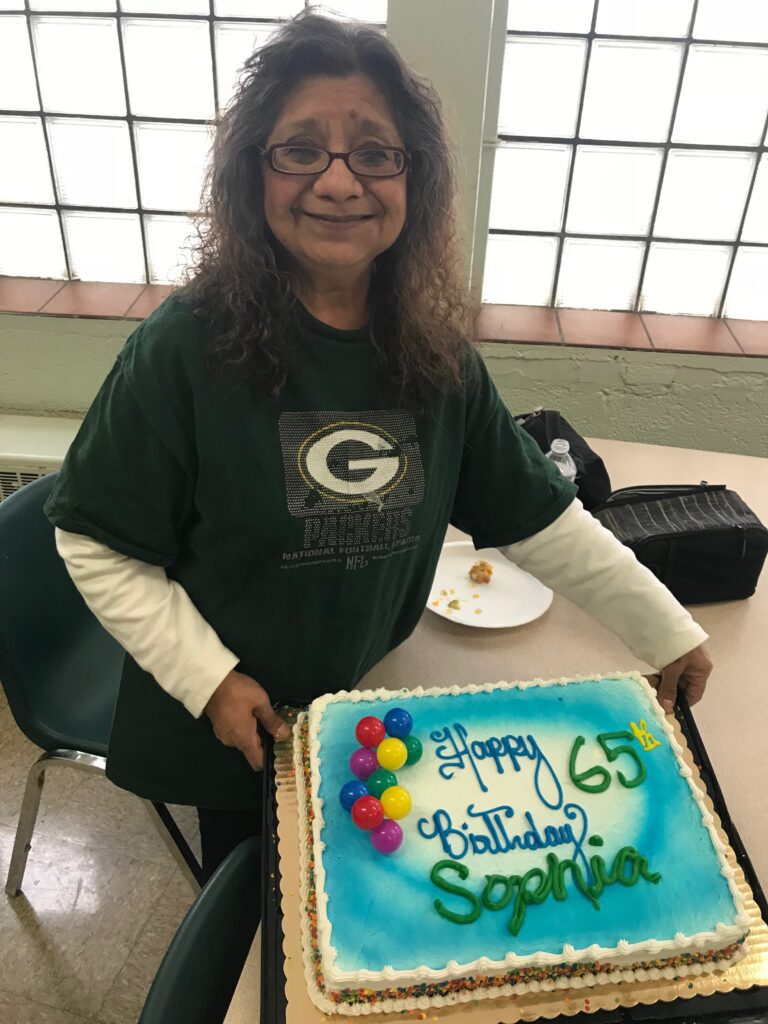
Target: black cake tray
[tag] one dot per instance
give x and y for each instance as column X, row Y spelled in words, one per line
column 741, row 1006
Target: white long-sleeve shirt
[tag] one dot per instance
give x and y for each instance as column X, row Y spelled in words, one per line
column 154, row 619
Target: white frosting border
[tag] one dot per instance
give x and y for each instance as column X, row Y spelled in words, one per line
column 624, row 952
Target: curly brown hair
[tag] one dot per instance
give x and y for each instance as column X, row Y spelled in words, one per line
column 421, row 310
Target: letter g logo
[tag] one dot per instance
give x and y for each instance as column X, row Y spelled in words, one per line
column 350, row 461
column 325, row 462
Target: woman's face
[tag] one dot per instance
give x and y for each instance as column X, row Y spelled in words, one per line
column 324, row 251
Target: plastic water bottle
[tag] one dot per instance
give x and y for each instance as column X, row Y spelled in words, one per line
column 560, row 454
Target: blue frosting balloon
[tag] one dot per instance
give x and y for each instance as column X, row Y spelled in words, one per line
column 350, row 792
column 398, row 723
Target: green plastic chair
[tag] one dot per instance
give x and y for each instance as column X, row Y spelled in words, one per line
column 59, row 667
column 201, row 968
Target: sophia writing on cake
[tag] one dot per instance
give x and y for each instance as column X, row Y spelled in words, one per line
column 256, row 501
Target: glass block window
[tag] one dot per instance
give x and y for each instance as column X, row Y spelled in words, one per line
column 107, row 111
column 631, row 170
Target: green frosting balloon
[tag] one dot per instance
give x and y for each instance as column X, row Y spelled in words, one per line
column 414, row 748
column 380, row 780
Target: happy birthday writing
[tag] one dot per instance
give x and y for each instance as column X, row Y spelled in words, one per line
column 457, row 753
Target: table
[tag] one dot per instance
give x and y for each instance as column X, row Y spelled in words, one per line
column 733, row 717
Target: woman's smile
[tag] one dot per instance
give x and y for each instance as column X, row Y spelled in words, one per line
column 337, row 223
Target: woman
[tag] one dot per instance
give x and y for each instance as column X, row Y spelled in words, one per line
column 257, row 498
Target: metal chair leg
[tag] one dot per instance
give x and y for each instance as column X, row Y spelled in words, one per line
column 23, row 842
column 161, row 818
column 176, row 843
column 31, row 804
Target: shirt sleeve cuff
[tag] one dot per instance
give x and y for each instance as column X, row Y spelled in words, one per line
column 582, row 560
column 152, row 617
column 207, row 678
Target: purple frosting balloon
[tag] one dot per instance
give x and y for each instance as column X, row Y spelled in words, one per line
column 387, row 836
column 363, row 762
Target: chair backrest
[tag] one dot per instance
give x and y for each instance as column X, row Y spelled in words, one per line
column 200, row 970
column 59, row 667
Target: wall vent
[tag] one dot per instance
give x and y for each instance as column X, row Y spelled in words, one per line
column 31, row 447
column 12, row 479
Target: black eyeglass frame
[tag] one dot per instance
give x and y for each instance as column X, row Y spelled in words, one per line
column 267, row 154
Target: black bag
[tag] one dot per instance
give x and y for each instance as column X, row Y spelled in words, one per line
column 544, row 426
column 702, row 541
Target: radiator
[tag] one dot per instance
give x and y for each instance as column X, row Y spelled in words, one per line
column 31, row 447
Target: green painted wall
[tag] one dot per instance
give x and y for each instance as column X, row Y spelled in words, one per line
column 53, row 366
column 715, row 403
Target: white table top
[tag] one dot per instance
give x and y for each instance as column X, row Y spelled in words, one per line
column 733, row 716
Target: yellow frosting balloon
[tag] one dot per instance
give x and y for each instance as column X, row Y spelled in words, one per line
column 396, row 802
column 392, row 754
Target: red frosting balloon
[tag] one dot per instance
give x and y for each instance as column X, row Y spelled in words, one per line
column 370, row 731
column 367, row 812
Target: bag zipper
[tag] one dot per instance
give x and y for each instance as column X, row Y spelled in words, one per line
column 527, row 415
column 743, row 530
column 628, row 495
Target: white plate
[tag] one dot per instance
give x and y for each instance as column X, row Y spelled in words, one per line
column 512, row 598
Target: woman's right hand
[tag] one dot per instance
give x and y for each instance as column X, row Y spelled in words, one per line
column 233, row 708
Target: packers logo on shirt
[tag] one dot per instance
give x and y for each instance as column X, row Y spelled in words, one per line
column 350, row 460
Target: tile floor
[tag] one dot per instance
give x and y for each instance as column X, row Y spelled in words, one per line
column 101, row 899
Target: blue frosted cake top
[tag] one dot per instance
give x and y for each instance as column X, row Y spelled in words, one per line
column 505, row 788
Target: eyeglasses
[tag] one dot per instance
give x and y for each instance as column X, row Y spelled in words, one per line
column 369, row 161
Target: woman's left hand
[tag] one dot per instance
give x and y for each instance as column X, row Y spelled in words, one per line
column 690, row 673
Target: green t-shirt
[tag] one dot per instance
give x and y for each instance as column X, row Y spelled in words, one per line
column 306, row 531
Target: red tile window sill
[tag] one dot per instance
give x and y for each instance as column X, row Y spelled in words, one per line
column 537, row 325
column 543, row 325
column 80, row 298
